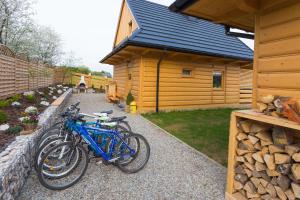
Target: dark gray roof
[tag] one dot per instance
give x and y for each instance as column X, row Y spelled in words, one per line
column 161, row 28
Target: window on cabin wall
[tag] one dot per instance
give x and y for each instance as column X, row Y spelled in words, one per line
column 186, row 72
column 129, row 28
column 218, row 80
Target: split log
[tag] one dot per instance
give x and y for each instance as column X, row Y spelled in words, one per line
column 272, row 173
column 292, row 149
column 261, row 107
column 239, row 170
column 290, row 195
column 250, row 188
column 256, row 174
column 252, row 196
column 271, row 190
column 248, row 145
column 269, row 160
column 296, row 189
column 240, row 159
column 265, row 136
column 257, row 146
column 258, row 157
column 249, row 166
column 258, row 127
column 283, row 182
column 242, row 152
column 241, row 178
column 263, row 182
column 245, row 125
column 276, row 149
column 282, row 158
column 260, row 166
column 249, row 158
column 281, row 137
column 237, row 185
column 241, row 136
column 296, row 171
column 266, row 197
column 239, row 196
column 265, row 176
column 261, row 189
column 267, row 99
column 296, row 157
column 274, row 181
column 280, row 193
column 255, row 181
column 248, row 172
column 253, row 139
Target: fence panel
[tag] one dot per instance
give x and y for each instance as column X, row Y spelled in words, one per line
column 17, row 74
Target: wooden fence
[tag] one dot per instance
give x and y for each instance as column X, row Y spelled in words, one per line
column 98, row 82
column 18, row 75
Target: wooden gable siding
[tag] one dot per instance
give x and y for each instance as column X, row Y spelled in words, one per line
column 277, row 53
column 177, row 92
column 123, row 26
column 121, row 77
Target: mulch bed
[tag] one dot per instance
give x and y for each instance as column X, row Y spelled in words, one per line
column 14, row 113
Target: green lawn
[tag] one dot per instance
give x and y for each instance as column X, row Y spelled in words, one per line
column 205, row 130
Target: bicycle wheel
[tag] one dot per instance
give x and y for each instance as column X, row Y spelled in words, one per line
column 57, row 125
column 134, row 153
column 62, row 167
column 125, row 125
column 55, row 133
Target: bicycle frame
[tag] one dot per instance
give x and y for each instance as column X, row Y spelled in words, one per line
column 82, row 130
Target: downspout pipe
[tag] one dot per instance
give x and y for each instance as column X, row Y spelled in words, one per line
column 158, row 79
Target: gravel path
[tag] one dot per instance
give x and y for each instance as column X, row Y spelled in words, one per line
column 174, row 171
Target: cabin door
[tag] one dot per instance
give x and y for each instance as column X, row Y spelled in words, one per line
column 218, row 85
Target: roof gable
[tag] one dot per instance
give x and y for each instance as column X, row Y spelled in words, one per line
column 163, row 29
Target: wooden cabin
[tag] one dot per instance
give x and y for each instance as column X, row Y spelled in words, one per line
column 173, row 62
column 276, row 26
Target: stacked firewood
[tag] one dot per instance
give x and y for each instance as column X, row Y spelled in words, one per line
column 267, row 162
column 278, row 106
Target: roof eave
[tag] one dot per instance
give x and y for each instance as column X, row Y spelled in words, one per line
column 162, row 47
column 180, row 5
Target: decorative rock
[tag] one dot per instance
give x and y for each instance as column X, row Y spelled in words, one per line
column 28, row 93
column 54, row 97
column 23, row 118
column 59, row 91
column 4, row 127
column 16, row 104
column 45, row 103
column 31, row 110
column 296, row 190
column 282, row 158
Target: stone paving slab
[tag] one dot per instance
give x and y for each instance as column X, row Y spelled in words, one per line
column 174, row 171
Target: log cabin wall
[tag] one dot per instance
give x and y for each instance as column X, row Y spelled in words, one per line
column 178, row 92
column 127, row 77
column 277, row 52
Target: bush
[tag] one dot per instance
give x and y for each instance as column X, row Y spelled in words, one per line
column 129, row 98
column 30, row 98
column 14, row 130
column 17, row 97
column 4, row 103
column 3, row 117
column 33, row 119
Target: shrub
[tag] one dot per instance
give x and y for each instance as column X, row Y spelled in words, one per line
column 129, row 98
column 17, row 97
column 4, row 103
column 14, row 130
column 30, row 98
column 3, row 117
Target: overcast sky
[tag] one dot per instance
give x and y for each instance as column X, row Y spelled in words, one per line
column 87, row 27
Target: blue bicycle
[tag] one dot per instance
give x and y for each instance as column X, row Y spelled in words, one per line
column 64, row 164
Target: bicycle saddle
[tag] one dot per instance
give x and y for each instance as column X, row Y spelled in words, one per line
column 117, row 119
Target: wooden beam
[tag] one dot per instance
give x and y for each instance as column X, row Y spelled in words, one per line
column 248, row 6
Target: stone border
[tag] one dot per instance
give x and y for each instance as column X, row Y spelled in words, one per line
column 16, row 160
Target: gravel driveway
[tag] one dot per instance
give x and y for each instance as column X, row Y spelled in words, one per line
column 174, row 171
